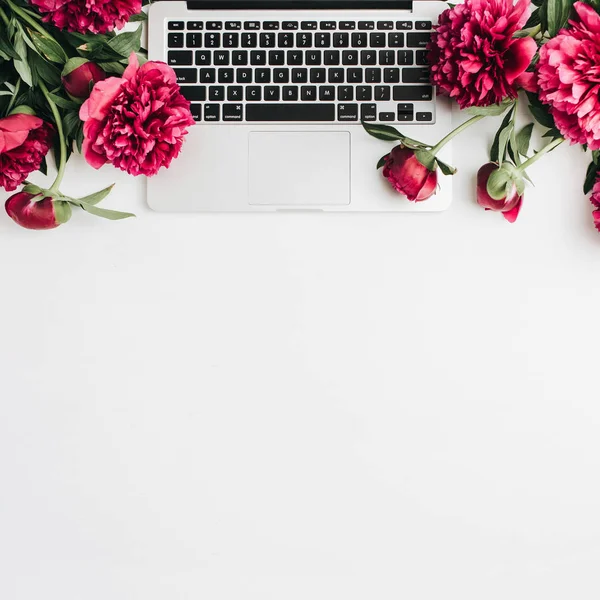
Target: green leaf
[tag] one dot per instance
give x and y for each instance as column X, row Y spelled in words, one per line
column 382, row 161
column 557, row 14
column 503, row 141
column 5, row 47
column 495, row 149
column 534, row 19
column 542, row 116
column 97, row 197
column 382, row 132
column 426, row 159
column 126, row 43
column 21, row 65
column 111, row 215
column 446, row 169
column 590, row 177
column 494, row 110
column 523, row 139
column 66, row 104
column 48, row 48
column 139, row 17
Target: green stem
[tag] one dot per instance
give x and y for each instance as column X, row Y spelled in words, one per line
column 30, row 20
column 455, row 132
column 541, row 153
column 62, row 161
column 3, row 16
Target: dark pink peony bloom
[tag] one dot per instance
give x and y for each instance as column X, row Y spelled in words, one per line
column 408, row 176
column 569, row 78
column 509, row 206
column 136, row 122
column 41, row 213
column 87, row 16
column 595, row 200
column 24, row 141
column 78, row 82
column 473, row 55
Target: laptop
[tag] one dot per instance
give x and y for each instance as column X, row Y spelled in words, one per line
column 278, row 90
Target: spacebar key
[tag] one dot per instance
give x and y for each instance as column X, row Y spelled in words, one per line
column 290, row 112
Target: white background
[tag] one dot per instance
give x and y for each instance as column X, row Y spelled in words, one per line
column 356, row 407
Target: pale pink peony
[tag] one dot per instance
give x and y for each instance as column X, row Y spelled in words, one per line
column 87, row 16
column 473, row 55
column 569, row 78
column 136, row 122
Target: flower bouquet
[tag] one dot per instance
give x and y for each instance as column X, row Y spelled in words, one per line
column 69, row 83
column 488, row 55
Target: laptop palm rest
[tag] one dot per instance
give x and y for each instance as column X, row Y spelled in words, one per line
column 298, row 169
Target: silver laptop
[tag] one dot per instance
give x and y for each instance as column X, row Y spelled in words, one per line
column 278, row 89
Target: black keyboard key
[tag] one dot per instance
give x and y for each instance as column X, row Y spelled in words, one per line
column 176, row 25
column 305, row 112
column 249, row 40
column 186, row 75
column 335, row 75
column 347, row 112
column 421, row 57
column 405, row 116
column 262, row 75
column 270, row 25
column 216, row 93
column 423, row 25
column 368, row 112
column 258, row 57
column 233, row 112
column 175, row 40
column 180, row 57
column 327, row 93
column 341, row 40
column 234, row 93
column 290, row 93
column 358, row 40
column 203, row 58
column 194, row 93
column 368, row 57
column 313, row 57
column 267, row 40
column 382, row 93
column 196, row 110
column 347, row 25
column 396, row 39
column 308, row 93
column 193, row 40
column 233, row 25
column 221, row 58
column 373, row 75
column 212, row 112
column 231, row 40
column 299, row 75
column 225, row 75
column 354, row 75
column 405, row 57
column 289, row 25
column 276, row 57
column 212, row 40
column 317, row 75
column 195, row 25
column 251, row 24
column 412, row 92
column 207, row 76
column 417, row 40
column 424, row 116
column 327, row 25
column 406, row 108
column 295, row 57
column 391, row 75
column 345, row 92
column 308, row 25
column 350, row 57
column 387, row 57
column 377, row 40
column 272, row 93
column 214, row 25
column 243, row 75
column 304, row 40
column 385, row 25
column 239, row 57
column 366, row 25
column 418, row 75
column 404, row 25
column 253, row 93
column 331, row 57
column 285, row 40
column 364, row 92
column 387, row 116
column 281, row 75
column 322, row 40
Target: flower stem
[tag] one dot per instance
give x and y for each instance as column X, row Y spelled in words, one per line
column 3, row 16
column 62, row 161
column 541, row 153
column 455, row 132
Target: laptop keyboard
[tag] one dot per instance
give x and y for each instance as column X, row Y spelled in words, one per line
column 303, row 71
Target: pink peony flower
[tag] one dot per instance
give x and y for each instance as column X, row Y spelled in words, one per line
column 87, row 16
column 473, row 55
column 79, row 76
column 408, row 176
column 33, row 212
column 595, row 200
column 509, row 206
column 136, row 122
column 568, row 78
column 24, row 141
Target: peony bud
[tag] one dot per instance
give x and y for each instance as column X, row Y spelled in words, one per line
column 36, row 211
column 79, row 77
column 498, row 190
column 408, row 176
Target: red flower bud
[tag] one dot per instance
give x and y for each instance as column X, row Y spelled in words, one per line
column 509, row 205
column 79, row 77
column 45, row 213
column 408, row 176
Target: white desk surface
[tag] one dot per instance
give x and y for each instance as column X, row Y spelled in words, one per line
column 284, row 407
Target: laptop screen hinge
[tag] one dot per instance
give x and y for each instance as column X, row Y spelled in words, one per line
column 406, row 5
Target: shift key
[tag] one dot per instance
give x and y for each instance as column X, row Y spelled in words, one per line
column 406, row 93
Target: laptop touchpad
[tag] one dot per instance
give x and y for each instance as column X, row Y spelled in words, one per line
column 299, row 168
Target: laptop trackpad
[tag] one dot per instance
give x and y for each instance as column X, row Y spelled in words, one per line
column 299, row 168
